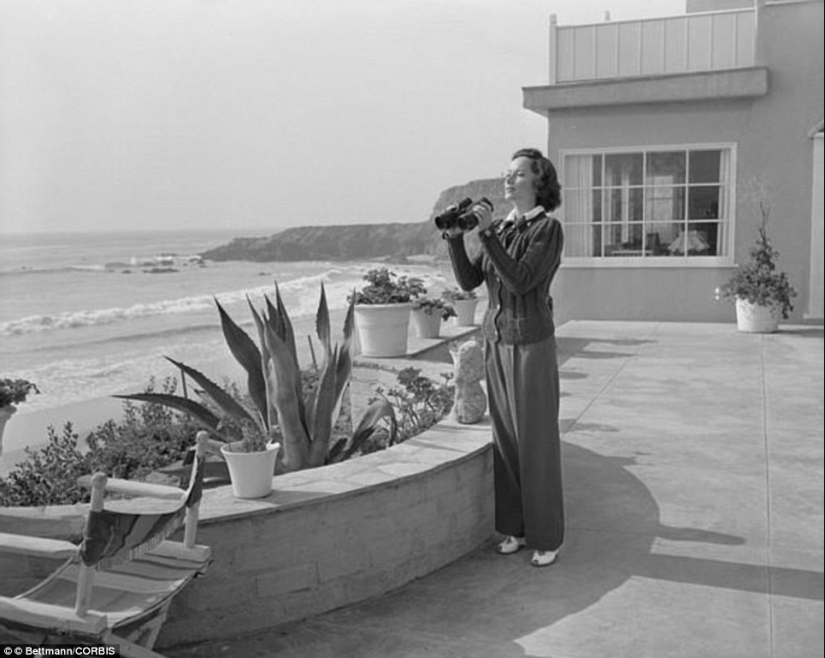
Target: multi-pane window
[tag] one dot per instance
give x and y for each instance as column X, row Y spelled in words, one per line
column 668, row 203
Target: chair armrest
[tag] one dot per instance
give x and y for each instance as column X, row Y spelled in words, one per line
column 136, row 489
column 36, row 546
column 52, row 617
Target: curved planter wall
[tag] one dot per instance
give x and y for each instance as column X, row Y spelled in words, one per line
column 332, row 536
column 324, row 538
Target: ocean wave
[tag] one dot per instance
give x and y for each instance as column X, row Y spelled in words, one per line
column 301, row 296
column 138, row 263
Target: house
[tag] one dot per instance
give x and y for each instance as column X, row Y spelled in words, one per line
column 668, row 134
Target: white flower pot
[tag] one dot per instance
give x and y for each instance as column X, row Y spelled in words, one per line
column 466, row 312
column 757, row 319
column 427, row 325
column 5, row 413
column 383, row 328
column 251, row 473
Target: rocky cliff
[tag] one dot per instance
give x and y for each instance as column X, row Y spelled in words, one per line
column 360, row 241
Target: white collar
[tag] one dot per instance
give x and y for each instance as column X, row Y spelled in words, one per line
column 528, row 217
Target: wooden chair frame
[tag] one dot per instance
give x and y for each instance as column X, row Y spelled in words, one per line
column 122, row 604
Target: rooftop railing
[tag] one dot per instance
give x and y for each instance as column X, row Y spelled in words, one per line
column 708, row 41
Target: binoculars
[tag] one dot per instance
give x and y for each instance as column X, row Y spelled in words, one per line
column 461, row 215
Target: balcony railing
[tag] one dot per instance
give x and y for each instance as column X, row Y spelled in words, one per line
column 709, row 41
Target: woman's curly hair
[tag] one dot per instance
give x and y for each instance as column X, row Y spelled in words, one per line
column 548, row 189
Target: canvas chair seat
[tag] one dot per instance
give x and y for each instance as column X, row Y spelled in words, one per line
column 116, row 587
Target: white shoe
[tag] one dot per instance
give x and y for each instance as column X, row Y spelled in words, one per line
column 510, row 545
column 544, row 558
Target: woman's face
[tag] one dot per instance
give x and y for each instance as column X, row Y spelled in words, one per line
column 520, row 182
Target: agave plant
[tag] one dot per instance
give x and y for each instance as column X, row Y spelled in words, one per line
column 302, row 423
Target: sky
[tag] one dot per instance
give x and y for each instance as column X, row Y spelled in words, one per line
column 264, row 114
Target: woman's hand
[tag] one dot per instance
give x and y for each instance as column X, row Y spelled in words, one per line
column 484, row 214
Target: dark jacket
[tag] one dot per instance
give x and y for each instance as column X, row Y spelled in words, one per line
column 517, row 261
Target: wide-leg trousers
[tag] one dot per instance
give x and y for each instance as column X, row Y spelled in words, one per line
column 523, row 394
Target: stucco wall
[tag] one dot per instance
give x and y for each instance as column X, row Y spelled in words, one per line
column 773, row 144
column 339, row 534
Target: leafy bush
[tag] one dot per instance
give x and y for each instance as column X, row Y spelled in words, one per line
column 418, row 401
column 48, row 475
column 14, row 391
column 147, row 438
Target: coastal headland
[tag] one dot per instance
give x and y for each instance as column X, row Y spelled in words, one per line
column 392, row 241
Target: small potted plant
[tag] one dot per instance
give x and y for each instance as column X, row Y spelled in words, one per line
column 382, row 312
column 464, row 302
column 427, row 315
column 12, row 392
column 762, row 294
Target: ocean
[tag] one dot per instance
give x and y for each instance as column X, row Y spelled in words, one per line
column 88, row 315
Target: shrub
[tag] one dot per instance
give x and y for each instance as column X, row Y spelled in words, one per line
column 147, row 438
column 14, row 391
column 48, row 475
column 418, row 401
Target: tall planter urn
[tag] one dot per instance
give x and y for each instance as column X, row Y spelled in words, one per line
column 757, row 318
column 383, row 329
column 382, row 312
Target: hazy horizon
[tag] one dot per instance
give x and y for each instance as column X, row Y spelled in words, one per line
column 261, row 115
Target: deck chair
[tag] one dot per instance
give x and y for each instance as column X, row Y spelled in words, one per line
column 114, row 588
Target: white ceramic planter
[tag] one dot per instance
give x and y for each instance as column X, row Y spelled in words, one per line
column 251, row 473
column 757, row 319
column 5, row 413
column 427, row 325
column 383, row 328
column 465, row 311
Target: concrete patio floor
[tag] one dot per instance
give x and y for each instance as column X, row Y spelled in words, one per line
column 693, row 466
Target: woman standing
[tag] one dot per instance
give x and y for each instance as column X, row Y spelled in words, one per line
column 518, row 258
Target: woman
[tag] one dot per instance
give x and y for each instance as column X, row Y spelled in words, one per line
column 518, row 259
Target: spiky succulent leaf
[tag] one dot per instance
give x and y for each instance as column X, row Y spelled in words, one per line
column 282, row 374
column 198, row 412
column 270, row 414
column 224, row 400
column 349, row 322
column 378, row 411
column 322, row 326
column 324, row 407
column 248, row 355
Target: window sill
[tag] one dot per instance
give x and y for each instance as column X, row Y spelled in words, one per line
column 692, row 262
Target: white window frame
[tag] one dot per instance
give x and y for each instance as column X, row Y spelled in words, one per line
column 685, row 261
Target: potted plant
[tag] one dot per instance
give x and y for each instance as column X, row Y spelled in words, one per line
column 427, row 315
column 283, row 415
column 762, row 294
column 12, row 392
column 382, row 312
column 464, row 302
